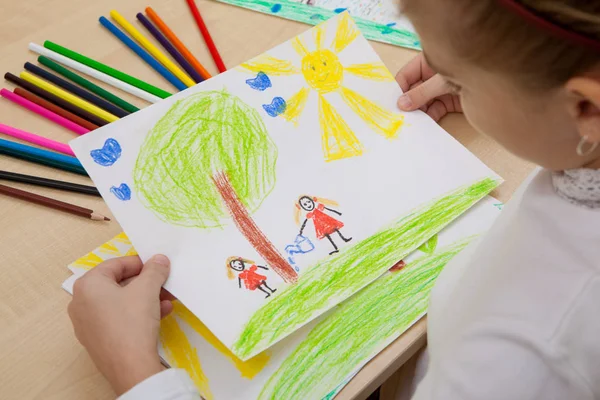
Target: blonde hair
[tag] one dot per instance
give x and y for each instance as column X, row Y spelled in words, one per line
column 230, row 274
column 321, row 200
column 489, row 35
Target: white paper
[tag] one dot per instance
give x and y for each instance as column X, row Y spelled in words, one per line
column 392, row 178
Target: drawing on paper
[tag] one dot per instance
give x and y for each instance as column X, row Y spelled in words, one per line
column 209, row 160
column 301, row 245
column 108, row 154
column 375, row 316
column 316, row 210
column 121, row 192
column 323, row 72
column 260, row 83
column 336, row 278
column 248, row 275
column 312, row 12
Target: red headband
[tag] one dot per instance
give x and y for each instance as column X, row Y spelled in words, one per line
column 550, row 27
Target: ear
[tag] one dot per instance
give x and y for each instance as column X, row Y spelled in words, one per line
column 585, row 106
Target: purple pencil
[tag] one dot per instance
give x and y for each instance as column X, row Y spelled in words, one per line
column 169, row 47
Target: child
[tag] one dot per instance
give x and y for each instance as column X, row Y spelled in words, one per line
column 252, row 280
column 325, row 225
column 513, row 317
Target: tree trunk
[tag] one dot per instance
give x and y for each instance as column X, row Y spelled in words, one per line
column 251, row 231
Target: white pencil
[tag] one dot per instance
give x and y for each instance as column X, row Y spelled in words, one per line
column 94, row 73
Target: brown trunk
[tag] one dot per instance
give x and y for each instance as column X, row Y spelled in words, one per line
column 251, row 231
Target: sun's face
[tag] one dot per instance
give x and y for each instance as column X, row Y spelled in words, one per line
column 323, row 70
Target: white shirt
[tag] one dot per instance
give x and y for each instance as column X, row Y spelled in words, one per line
column 516, row 316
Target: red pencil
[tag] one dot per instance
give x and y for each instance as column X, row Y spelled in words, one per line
column 206, row 35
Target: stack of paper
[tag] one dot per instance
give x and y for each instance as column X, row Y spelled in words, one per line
column 283, row 191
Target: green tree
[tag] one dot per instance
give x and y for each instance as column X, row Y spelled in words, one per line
column 209, row 160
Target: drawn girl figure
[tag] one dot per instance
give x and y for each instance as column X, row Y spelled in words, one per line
column 252, row 280
column 325, row 225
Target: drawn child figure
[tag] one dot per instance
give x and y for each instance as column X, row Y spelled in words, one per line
column 325, row 225
column 252, row 280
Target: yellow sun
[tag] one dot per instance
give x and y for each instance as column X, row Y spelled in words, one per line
column 324, row 73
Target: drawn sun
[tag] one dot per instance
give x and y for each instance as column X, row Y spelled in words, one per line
column 324, row 73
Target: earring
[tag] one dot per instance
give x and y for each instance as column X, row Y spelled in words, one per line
column 581, row 148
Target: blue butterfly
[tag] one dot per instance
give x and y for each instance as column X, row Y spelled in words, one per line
column 276, row 107
column 123, row 192
column 108, row 154
column 261, row 82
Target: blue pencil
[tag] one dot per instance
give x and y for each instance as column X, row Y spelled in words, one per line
column 144, row 55
column 44, row 157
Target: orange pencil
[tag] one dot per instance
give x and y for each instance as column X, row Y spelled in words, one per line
column 177, row 43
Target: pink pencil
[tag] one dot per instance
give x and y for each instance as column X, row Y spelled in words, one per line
column 15, row 98
column 36, row 139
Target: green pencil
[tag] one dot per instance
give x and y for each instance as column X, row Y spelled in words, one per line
column 105, row 94
column 106, row 69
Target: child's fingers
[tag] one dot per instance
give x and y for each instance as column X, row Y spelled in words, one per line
column 415, row 70
column 119, row 269
column 423, row 94
column 437, row 110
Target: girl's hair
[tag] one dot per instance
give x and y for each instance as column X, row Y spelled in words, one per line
column 496, row 38
column 230, row 273
column 321, row 200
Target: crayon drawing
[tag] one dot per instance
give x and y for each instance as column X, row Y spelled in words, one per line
column 210, row 158
column 324, row 73
column 391, row 29
column 216, row 177
column 317, row 361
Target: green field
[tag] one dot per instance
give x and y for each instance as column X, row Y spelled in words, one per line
column 336, row 278
column 358, row 329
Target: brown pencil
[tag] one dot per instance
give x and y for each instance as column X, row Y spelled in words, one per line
column 52, row 203
column 55, row 109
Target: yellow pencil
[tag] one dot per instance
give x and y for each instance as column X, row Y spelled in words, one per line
column 164, row 60
column 89, row 107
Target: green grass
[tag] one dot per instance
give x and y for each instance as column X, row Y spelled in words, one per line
column 315, row 15
column 336, row 278
column 358, row 329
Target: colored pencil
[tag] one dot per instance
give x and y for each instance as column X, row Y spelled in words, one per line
column 55, row 99
column 106, row 69
column 60, row 120
column 101, row 76
column 52, row 203
column 206, row 35
column 76, row 90
column 169, row 47
column 63, row 94
column 36, row 139
column 50, row 183
column 152, row 49
column 92, row 87
column 143, row 54
column 77, row 120
column 177, row 43
column 40, row 156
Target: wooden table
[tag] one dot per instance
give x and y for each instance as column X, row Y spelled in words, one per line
column 39, row 356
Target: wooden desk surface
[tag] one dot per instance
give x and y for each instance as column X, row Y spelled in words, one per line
column 39, row 356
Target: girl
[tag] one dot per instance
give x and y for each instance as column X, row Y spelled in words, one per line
column 514, row 316
column 325, row 225
column 252, row 280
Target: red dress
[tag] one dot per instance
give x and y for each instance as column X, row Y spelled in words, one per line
column 251, row 279
column 324, row 224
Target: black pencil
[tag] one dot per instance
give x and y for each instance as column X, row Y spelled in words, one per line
column 76, row 90
column 51, row 183
column 55, row 99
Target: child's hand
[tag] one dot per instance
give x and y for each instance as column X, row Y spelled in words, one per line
column 116, row 312
column 424, row 89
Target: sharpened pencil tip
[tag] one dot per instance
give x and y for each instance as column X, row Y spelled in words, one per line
column 106, row 219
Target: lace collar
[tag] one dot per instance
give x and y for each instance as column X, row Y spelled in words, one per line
column 579, row 186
